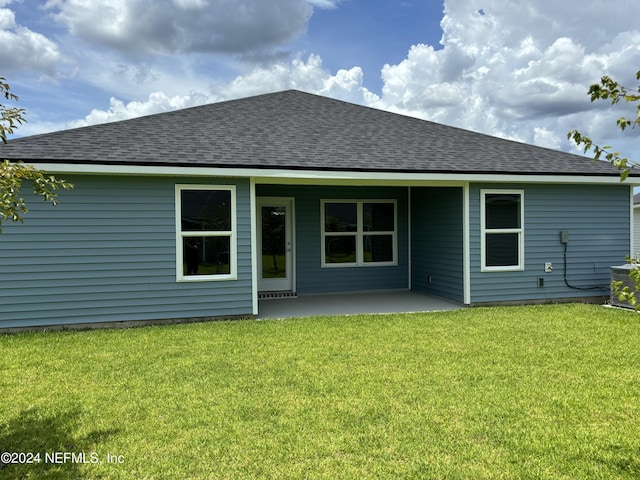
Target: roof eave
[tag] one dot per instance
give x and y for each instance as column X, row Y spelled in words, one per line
column 289, row 175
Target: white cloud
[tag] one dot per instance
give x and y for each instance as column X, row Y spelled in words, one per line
column 324, row 3
column 157, row 102
column 308, row 76
column 183, row 26
column 23, row 49
column 190, row 4
column 546, row 138
column 518, row 69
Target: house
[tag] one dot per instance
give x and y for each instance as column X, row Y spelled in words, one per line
column 193, row 214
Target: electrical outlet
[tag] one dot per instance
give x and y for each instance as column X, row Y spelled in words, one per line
column 548, row 267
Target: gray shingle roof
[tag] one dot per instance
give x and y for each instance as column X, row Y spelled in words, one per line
column 296, row 130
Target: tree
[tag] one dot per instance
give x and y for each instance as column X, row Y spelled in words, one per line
column 12, row 206
column 609, row 89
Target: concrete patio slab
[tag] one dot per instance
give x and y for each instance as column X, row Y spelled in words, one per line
column 353, row 303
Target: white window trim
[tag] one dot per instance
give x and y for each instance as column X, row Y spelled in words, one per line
column 233, row 257
column 484, row 231
column 359, row 234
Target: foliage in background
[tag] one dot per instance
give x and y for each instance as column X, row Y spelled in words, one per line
column 609, row 89
column 624, row 292
column 12, row 206
column 10, row 117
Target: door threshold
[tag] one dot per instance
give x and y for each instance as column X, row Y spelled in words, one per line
column 270, row 295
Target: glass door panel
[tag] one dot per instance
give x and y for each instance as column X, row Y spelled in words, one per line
column 274, row 242
column 275, row 249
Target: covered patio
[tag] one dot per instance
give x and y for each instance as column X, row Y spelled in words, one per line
column 310, row 305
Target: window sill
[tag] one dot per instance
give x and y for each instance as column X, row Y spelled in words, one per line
column 502, row 269
column 359, row 265
column 206, row 278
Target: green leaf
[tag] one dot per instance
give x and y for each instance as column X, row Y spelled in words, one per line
column 624, row 175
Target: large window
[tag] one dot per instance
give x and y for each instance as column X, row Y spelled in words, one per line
column 359, row 233
column 206, row 232
column 502, row 242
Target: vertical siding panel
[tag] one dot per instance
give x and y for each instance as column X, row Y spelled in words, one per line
column 437, row 241
column 106, row 252
column 597, row 218
column 636, row 230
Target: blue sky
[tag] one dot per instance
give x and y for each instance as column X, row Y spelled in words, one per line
column 372, row 34
column 511, row 68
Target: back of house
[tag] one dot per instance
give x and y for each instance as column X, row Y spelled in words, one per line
column 198, row 213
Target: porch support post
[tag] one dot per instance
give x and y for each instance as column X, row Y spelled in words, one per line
column 409, row 235
column 254, row 246
column 632, row 226
column 466, row 253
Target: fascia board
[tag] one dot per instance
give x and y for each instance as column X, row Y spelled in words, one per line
column 285, row 176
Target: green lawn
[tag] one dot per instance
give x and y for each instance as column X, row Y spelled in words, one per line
column 545, row 392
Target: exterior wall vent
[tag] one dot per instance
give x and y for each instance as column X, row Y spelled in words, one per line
column 272, row 295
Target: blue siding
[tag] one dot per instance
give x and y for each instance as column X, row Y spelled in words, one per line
column 310, row 276
column 437, row 241
column 107, row 253
column 597, row 218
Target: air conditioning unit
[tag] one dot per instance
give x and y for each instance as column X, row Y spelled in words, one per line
column 621, row 274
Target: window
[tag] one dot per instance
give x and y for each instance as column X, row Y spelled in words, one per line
column 206, row 230
column 359, row 233
column 502, row 245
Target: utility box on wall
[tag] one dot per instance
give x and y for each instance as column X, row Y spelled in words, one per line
column 621, row 274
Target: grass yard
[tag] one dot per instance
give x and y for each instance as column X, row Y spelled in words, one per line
column 543, row 392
